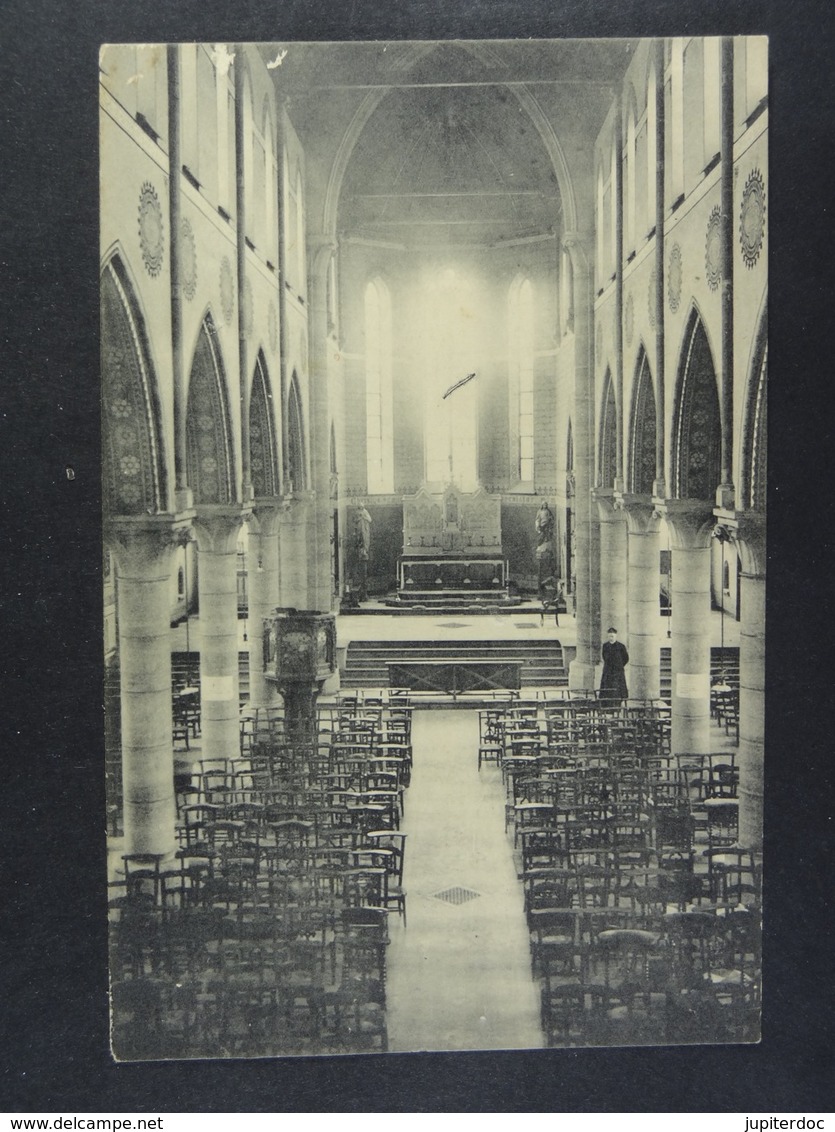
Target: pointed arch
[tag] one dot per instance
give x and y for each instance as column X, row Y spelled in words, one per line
column 640, row 474
column 295, row 467
column 753, row 465
column 372, row 100
column 209, row 455
column 263, row 451
column 134, row 473
column 607, row 447
column 696, row 447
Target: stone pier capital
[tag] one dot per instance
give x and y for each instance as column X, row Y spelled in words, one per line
column 139, row 542
column 747, row 531
column 267, row 513
column 642, row 517
column 607, row 505
column 218, row 526
column 689, row 521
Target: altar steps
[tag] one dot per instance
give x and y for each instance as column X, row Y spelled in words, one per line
column 366, row 662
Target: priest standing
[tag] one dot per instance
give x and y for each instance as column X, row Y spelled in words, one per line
column 613, row 690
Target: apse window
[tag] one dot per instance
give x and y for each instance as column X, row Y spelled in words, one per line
column 453, row 330
column 378, row 399
column 521, row 353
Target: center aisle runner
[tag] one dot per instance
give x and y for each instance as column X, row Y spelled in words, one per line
column 459, row 974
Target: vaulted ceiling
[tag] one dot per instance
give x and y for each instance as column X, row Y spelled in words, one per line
column 449, row 142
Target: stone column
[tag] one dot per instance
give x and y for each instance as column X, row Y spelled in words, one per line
column 320, row 580
column 643, row 674
column 292, row 549
column 587, row 531
column 690, row 524
column 613, row 562
column 750, row 538
column 263, row 594
column 217, row 527
column 144, row 548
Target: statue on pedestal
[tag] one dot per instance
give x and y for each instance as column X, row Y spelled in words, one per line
column 544, row 524
column 362, row 546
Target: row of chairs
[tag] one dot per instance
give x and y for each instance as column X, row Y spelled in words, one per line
column 268, row 933
column 643, row 913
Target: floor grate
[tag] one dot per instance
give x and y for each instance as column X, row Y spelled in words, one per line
column 456, row 895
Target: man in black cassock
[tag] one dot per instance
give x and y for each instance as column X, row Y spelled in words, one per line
column 613, row 690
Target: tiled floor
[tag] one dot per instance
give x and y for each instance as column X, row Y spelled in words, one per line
column 459, row 973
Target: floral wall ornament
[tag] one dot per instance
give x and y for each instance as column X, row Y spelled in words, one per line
column 629, row 319
column 653, row 287
column 151, row 239
column 272, row 325
column 675, row 274
column 188, row 259
column 713, row 248
column 752, row 218
column 227, row 290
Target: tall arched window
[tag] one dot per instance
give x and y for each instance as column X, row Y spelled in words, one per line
column 674, row 125
column 256, row 223
column 652, row 149
column 269, row 185
column 607, row 459
column 521, row 383
column 300, row 236
column 712, row 58
column 629, row 208
column 379, row 428
column 454, row 332
column 206, row 170
column 694, row 112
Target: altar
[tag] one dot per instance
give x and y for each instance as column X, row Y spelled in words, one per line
column 452, row 548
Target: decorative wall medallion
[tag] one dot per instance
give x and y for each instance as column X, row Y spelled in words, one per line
column 674, row 278
column 227, row 290
column 629, row 319
column 188, row 258
column 713, row 248
column 653, row 287
column 272, row 325
column 598, row 342
column 248, row 308
column 752, row 218
column 150, row 229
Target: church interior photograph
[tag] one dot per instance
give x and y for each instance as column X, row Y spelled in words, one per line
column 433, row 383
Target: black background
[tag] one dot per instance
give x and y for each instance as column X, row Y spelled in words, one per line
column 54, row 1055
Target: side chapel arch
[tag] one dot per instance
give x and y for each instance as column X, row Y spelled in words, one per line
column 209, row 456
column 607, row 461
column 135, row 480
column 696, row 447
column 295, row 470
column 640, row 474
column 262, row 439
column 753, row 464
